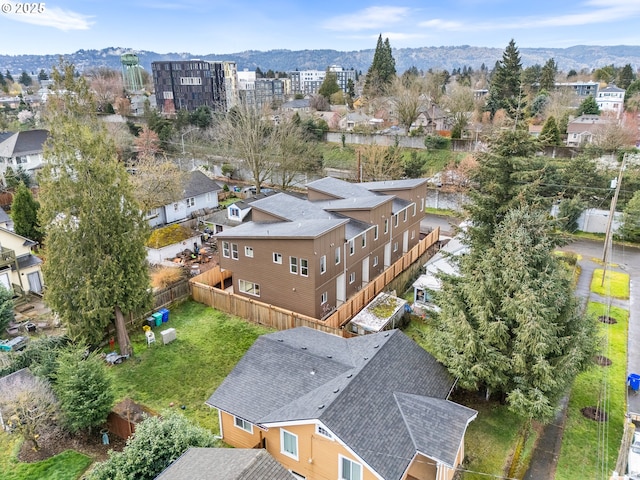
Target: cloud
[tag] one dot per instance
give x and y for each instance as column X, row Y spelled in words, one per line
column 51, row 17
column 367, row 19
column 590, row 12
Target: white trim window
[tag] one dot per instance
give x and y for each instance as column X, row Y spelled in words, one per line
column 413, row 234
column 234, row 251
column 191, row 202
column 414, row 210
column 225, row 250
column 277, row 258
column 364, row 239
column 288, row 444
column 248, row 252
column 352, row 246
column 249, row 288
column 352, row 277
column 304, row 267
column 323, row 298
column 349, row 470
column 234, row 212
column 375, row 232
column 396, row 220
column 386, row 225
column 375, row 261
column 243, row 424
column 395, row 246
column 338, row 250
column 323, row 264
column 293, row 265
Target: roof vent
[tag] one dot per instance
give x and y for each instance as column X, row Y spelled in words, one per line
column 280, row 340
column 321, row 406
column 304, row 348
column 376, row 346
column 336, row 390
column 350, row 375
column 329, row 356
column 386, row 334
column 313, row 371
column 366, row 358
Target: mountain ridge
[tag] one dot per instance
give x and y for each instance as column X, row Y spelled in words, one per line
column 577, row 57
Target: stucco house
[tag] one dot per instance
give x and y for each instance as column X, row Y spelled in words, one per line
column 368, row 407
column 225, row 464
column 19, row 267
column 200, row 194
column 23, row 150
column 310, row 254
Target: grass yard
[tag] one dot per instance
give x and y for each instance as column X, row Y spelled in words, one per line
column 584, row 439
column 68, row 465
column 492, row 436
column 616, row 284
column 209, row 344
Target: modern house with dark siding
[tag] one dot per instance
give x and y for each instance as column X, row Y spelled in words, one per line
column 311, row 254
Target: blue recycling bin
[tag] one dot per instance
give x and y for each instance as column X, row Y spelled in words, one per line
column 165, row 314
column 633, row 381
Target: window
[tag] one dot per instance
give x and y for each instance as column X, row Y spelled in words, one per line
column 396, row 219
column 304, row 266
column 234, row 212
column 323, row 431
column 249, row 288
column 289, row 444
column 350, row 470
column 234, row 251
column 248, row 252
column 225, row 249
column 364, row 240
column 414, row 210
column 404, row 215
column 422, row 204
column 352, row 246
column 395, row 247
column 191, row 201
column 413, row 234
column 338, row 249
column 293, row 265
column 243, row 424
column 323, row 264
column 323, row 298
column 375, row 261
column 375, row 232
column 277, row 258
column 352, row 277
column 386, row 225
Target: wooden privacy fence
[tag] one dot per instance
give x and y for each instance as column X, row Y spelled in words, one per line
column 204, row 289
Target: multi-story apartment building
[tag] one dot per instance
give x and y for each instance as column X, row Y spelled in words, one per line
column 190, row 84
column 581, row 89
column 308, row 82
column 263, row 92
column 310, row 254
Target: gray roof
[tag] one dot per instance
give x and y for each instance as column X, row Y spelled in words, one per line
column 4, row 217
column 384, row 185
column 311, row 228
column 297, row 103
column 25, row 261
column 288, row 207
column 339, row 188
column 24, row 143
column 199, row 184
column 612, row 88
column 350, row 385
column 225, row 464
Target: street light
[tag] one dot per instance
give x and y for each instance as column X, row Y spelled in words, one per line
column 182, row 137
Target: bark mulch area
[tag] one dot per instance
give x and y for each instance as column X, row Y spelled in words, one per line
column 57, row 442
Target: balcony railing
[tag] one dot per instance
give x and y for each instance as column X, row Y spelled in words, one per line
column 7, row 257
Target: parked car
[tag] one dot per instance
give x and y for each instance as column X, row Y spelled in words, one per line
column 14, row 344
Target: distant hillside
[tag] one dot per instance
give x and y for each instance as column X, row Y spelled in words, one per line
column 424, row 58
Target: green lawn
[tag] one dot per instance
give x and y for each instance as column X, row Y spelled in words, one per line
column 492, row 436
column 583, row 438
column 67, row 465
column 616, row 284
column 187, row 371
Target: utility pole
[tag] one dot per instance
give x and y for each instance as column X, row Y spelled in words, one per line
column 612, row 211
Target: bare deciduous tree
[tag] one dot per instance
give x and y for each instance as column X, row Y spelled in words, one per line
column 157, row 182
column 380, row 163
column 408, row 99
column 615, row 134
column 29, row 408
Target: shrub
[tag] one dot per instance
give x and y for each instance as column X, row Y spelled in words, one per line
column 436, row 142
column 163, row 277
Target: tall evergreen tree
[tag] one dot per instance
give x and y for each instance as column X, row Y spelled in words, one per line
column 382, row 70
column 24, row 213
column 510, row 323
column 329, row 85
column 506, row 81
column 589, row 106
column 625, row 76
column 8, row 75
column 550, row 135
column 96, row 266
column 25, row 79
column 548, row 75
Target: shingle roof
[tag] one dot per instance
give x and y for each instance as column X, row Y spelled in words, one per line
column 198, row 184
column 347, row 384
column 24, row 143
column 225, row 464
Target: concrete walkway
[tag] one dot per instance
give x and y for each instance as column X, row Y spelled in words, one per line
column 624, row 259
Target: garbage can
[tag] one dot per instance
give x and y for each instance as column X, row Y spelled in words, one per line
column 158, row 318
column 150, row 321
column 165, row 314
column 633, row 380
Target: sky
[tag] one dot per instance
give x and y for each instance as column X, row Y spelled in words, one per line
column 220, row 27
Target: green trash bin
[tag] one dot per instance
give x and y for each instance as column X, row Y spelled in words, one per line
column 158, row 317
